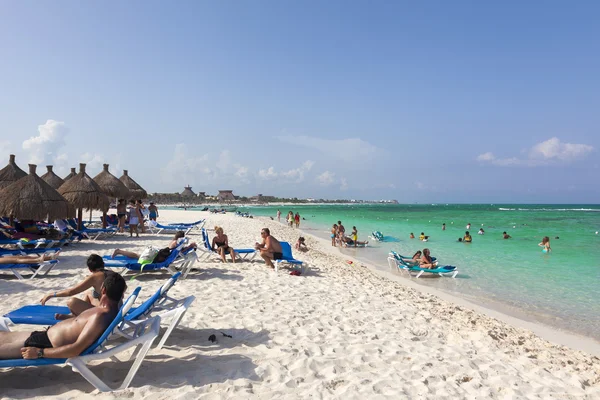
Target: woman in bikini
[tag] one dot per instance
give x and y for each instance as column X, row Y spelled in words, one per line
column 545, row 244
column 28, row 259
column 95, row 264
column 426, row 261
column 220, row 244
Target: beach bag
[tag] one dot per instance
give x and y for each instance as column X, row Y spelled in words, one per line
column 148, row 255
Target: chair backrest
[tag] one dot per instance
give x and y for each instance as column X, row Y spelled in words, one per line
column 147, row 306
column 205, row 239
column 286, row 251
column 118, row 319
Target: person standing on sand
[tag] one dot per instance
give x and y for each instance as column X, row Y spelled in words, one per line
column 278, row 215
column 341, row 231
column 153, row 212
column 134, row 219
column 297, row 220
column 121, row 215
column 334, row 233
column 143, row 212
column 354, row 235
column 270, row 248
column 290, row 219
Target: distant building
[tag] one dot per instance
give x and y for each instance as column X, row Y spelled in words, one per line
column 187, row 192
column 257, row 199
column 202, row 195
column 225, row 195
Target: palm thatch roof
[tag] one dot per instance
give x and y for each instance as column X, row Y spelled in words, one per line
column 71, row 174
column 135, row 190
column 188, row 192
column 110, row 185
column 32, row 198
column 10, row 173
column 51, row 178
column 82, row 192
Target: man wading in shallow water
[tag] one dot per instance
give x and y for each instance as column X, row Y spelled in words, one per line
column 270, row 248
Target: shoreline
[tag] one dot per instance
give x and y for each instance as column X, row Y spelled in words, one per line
column 551, row 333
column 337, row 331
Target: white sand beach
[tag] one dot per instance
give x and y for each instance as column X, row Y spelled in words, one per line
column 338, row 331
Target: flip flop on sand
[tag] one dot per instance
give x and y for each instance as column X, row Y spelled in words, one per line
column 295, row 273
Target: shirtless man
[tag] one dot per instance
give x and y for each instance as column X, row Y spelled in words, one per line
column 71, row 337
column 341, row 231
column 270, row 248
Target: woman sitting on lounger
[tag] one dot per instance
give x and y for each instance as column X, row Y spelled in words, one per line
column 163, row 254
column 98, row 274
column 220, row 244
column 28, row 259
column 426, row 261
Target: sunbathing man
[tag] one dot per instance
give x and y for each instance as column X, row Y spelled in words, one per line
column 270, row 248
column 165, row 252
column 28, row 259
column 71, row 337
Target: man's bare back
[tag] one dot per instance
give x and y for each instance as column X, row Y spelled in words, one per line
column 70, row 337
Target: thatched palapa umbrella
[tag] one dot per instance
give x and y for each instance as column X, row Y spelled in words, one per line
column 111, row 186
column 32, row 198
column 82, row 192
column 135, row 190
column 71, row 174
column 52, row 179
column 11, row 173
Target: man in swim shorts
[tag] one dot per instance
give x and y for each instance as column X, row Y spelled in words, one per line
column 270, row 248
column 68, row 338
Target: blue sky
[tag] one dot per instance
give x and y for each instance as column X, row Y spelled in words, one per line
column 435, row 101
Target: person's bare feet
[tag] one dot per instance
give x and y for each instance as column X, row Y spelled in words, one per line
column 114, row 254
column 55, row 255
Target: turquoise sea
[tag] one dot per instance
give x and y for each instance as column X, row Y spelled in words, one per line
column 560, row 289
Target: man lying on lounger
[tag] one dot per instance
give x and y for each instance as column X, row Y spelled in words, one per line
column 71, row 337
column 270, row 248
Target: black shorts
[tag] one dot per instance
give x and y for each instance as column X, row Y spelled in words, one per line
column 38, row 339
column 277, row 256
column 227, row 248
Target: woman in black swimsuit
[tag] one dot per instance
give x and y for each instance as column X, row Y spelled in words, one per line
column 95, row 264
column 220, row 244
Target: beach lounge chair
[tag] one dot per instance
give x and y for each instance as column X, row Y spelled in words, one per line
column 159, row 228
column 176, row 262
column 397, row 261
column 198, row 224
column 91, row 233
column 34, row 251
column 243, row 254
column 169, row 310
column 37, row 269
column 288, row 258
column 103, row 348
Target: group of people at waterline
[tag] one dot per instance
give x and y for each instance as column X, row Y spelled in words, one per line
column 291, row 219
column 467, row 238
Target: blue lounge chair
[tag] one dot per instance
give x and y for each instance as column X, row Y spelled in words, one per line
column 243, row 254
column 36, row 269
column 91, row 233
column 159, row 304
column 23, row 252
column 159, row 228
column 102, row 348
column 198, row 224
column 396, row 261
column 288, row 258
column 174, row 263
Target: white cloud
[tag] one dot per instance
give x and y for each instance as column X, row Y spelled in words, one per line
column 555, row 149
column 544, row 153
column 242, row 172
column 326, row 178
column 267, row 174
column 93, row 163
column 295, row 175
column 351, row 148
column 43, row 148
column 343, row 184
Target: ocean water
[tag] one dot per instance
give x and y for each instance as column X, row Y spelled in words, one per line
column 560, row 289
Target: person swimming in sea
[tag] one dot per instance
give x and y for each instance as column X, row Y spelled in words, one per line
column 412, row 235
column 467, row 238
column 545, row 244
column 505, row 235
